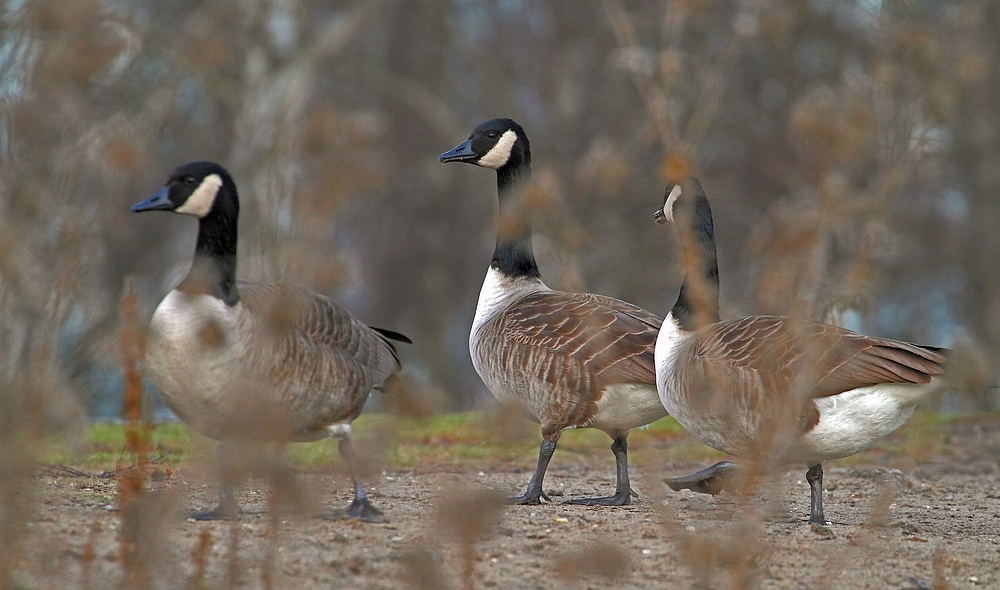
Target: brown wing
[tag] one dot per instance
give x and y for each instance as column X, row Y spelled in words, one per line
column 323, row 361
column 776, row 366
column 322, row 321
column 822, row 359
column 614, row 339
column 576, row 344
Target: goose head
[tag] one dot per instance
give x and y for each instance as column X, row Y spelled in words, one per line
column 496, row 144
column 686, row 206
column 684, row 201
column 199, row 189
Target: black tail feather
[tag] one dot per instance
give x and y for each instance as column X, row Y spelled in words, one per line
column 939, row 350
column 392, row 335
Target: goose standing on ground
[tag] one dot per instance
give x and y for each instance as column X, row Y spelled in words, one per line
column 258, row 363
column 774, row 389
column 570, row 360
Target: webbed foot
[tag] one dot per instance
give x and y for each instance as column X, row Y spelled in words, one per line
column 619, row 499
column 710, row 480
column 529, row 499
column 359, row 509
column 217, row 513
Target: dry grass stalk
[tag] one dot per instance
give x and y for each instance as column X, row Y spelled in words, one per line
column 88, row 554
column 881, row 510
column 199, row 557
column 424, row 571
column 938, row 562
column 232, row 578
column 131, row 490
column 603, row 560
column 279, row 490
column 468, row 515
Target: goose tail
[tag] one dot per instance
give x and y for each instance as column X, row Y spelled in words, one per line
column 389, row 334
column 389, row 362
column 936, row 359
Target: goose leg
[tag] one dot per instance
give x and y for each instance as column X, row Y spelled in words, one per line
column 710, row 480
column 534, row 493
column 227, row 509
column 623, row 492
column 815, row 478
column 360, row 508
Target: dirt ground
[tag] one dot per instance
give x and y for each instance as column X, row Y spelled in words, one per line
column 933, row 524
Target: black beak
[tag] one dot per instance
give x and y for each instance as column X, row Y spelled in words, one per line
column 659, row 216
column 158, row 202
column 460, row 153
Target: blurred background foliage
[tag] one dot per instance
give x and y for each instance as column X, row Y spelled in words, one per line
column 851, row 151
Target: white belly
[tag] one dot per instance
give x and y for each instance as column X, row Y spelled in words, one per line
column 849, row 422
column 194, row 359
column 497, row 294
column 852, row 421
column 620, row 408
column 667, row 343
column 627, row 406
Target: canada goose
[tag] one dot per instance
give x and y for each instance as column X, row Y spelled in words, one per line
column 772, row 388
column 256, row 362
column 570, row 360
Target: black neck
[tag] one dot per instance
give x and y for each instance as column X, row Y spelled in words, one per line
column 214, row 269
column 698, row 301
column 513, row 255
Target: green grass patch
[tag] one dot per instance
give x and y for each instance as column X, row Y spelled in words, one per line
column 469, row 439
column 102, row 445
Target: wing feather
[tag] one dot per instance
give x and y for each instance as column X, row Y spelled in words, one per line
column 774, row 367
column 322, row 359
column 575, row 345
column 824, row 359
column 614, row 339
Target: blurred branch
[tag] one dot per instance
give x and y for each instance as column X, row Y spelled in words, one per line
column 424, row 101
column 653, row 94
column 711, row 83
column 283, row 93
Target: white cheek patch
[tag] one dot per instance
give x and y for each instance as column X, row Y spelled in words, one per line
column 668, row 206
column 498, row 156
column 200, row 201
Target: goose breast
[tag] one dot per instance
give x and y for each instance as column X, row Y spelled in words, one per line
column 283, row 363
column 571, row 359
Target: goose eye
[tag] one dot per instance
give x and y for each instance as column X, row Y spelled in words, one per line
column 190, row 180
column 491, row 134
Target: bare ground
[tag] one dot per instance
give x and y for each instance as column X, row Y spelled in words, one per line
column 933, row 524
